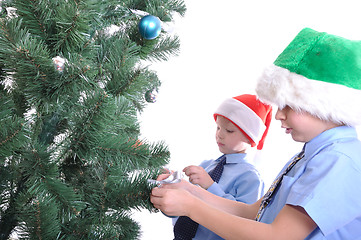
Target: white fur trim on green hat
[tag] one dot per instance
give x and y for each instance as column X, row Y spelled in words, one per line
column 325, row 100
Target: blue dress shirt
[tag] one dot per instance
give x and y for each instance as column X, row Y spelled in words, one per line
column 327, row 184
column 240, row 181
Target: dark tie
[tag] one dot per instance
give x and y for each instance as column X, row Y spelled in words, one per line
column 185, row 228
column 216, row 173
column 276, row 183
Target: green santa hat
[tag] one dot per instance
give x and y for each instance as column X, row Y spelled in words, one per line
column 318, row 73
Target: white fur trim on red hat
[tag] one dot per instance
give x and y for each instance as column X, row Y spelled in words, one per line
column 244, row 117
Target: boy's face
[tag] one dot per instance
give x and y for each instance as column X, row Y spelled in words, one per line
column 302, row 126
column 229, row 138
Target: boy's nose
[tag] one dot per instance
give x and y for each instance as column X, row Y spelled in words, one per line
column 219, row 134
column 279, row 115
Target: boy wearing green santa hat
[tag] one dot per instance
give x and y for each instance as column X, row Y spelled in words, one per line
column 316, row 84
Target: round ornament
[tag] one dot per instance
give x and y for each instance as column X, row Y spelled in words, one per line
column 59, row 63
column 151, row 96
column 149, row 27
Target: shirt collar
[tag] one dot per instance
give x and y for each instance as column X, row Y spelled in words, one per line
column 236, row 158
column 329, row 136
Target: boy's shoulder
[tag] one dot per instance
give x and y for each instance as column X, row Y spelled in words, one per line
column 340, row 141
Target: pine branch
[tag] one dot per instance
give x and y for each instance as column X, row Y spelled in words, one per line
column 72, row 164
column 36, row 17
column 9, row 219
column 165, row 9
column 72, row 26
column 27, row 61
column 164, row 49
column 39, row 204
column 14, row 135
column 130, row 191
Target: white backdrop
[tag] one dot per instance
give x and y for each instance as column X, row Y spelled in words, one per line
column 224, row 47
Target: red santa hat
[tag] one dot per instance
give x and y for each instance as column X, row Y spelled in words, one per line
column 250, row 115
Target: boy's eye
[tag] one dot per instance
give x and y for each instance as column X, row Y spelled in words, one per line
column 230, row 131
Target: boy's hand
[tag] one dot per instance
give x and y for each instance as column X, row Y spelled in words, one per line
column 197, row 175
column 172, row 202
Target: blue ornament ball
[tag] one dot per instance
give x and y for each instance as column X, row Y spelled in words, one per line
column 149, row 27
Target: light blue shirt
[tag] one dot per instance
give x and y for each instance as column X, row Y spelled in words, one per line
column 240, row 181
column 327, row 184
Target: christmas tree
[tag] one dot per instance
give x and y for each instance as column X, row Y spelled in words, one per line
column 74, row 80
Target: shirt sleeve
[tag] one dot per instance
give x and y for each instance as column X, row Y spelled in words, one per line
column 246, row 188
column 328, row 190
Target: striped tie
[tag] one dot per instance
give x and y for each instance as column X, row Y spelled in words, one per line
column 185, row 228
column 276, row 183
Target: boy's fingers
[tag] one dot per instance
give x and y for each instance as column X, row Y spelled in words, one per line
column 190, row 170
column 157, row 192
column 162, row 176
